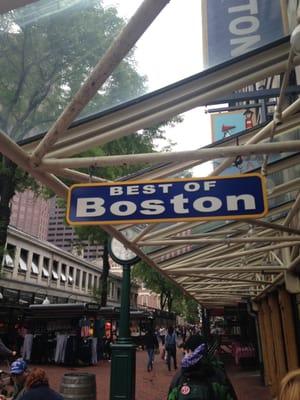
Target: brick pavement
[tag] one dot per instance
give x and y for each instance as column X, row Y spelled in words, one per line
column 154, row 385
column 247, row 383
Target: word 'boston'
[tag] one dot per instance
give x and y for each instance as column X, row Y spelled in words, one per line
column 235, row 197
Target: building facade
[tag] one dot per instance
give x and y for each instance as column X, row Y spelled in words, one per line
column 30, row 214
column 34, row 269
column 65, row 237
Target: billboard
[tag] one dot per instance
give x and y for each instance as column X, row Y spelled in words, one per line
column 234, row 27
column 225, row 124
column 168, row 200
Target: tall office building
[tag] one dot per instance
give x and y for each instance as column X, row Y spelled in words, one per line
column 30, row 214
column 64, row 236
column 45, row 219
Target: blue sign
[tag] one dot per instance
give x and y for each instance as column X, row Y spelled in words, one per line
column 234, row 27
column 191, row 199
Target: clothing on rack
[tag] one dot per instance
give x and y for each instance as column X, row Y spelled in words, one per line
column 85, row 351
column 71, row 352
column 99, row 328
column 60, row 350
column 27, row 346
column 94, row 359
column 84, row 325
column 39, row 352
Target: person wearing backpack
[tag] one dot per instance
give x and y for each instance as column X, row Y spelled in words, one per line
column 170, row 346
column 151, row 343
column 201, row 377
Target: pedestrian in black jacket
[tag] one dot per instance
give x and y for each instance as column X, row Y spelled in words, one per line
column 151, row 343
column 37, row 387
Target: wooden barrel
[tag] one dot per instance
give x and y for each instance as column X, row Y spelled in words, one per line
column 78, row 386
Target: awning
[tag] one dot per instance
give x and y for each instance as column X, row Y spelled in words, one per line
column 34, row 268
column 8, row 261
column 54, row 275
column 45, row 272
column 22, row 264
column 63, row 277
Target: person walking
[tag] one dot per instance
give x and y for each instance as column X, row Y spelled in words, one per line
column 162, row 334
column 37, row 387
column 202, row 375
column 170, row 346
column 151, row 343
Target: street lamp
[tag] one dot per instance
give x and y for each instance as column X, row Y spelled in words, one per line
column 122, row 379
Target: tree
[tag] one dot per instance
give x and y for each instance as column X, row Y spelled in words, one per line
column 43, row 63
column 156, row 282
column 171, row 297
column 187, row 308
column 45, row 60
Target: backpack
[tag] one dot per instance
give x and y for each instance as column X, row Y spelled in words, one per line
column 191, row 389
column 194, row 391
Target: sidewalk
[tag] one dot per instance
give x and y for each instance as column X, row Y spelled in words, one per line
column 154, row 385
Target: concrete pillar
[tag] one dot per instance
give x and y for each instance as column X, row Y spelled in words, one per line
column 16, row 261
column 28, row 263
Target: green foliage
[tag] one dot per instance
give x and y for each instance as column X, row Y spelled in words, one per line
column 171, row 296
column 45, row 60
column 186, row 308
column 156, row 282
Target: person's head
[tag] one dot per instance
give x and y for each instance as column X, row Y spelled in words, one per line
column 170, row 330
column 192, row 343
column 37, row 377
column 18, row 371
column 290, row 386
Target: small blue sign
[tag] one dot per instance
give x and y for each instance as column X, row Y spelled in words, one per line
column 234, row 27
column 190, row 199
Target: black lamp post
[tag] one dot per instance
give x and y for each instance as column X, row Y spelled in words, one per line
column 122, row 378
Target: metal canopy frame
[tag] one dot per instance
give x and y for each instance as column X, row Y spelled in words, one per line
column 215, row 264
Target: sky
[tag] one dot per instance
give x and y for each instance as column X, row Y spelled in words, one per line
column 170, row 50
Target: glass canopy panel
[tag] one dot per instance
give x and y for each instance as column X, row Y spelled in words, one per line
column 164, row 253
column 49, row 48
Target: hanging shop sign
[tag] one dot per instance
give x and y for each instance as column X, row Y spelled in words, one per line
column 234, row 27
column 191, row 199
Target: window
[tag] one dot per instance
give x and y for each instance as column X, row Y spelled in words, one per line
column 63, row 273
column 70, row 276
column 54, row 275
column 83, row 280
column 45, row 268
column 8, row 261
column 54, row 271
column 112, row 290
column 118, row 293
column 9, row 256
column 77, row 280
column 95, row 282
column 90, row 281
column 34, row 264
column 23, row 260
